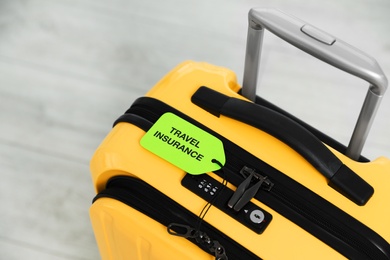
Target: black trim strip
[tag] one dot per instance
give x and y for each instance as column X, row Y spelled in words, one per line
column 135, row 120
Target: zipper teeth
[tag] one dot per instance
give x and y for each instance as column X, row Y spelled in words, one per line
column 319, row 220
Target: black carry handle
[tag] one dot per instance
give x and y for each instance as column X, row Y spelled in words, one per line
column 339, row 176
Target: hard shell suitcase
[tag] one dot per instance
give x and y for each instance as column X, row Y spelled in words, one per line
column 201, row 168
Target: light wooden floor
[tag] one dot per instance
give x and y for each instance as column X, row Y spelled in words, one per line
column 69, row 68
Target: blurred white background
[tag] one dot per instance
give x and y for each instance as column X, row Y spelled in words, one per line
column 69, row 68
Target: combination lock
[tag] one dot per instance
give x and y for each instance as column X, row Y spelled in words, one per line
column 209, row 189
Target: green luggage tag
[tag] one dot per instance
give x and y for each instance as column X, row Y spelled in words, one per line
column 184, row 145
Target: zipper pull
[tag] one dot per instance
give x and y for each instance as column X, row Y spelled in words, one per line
column 200, row 237
column 181, row 230
column 243, row 195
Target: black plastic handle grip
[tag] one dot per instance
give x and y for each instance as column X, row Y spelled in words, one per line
column 339, row 176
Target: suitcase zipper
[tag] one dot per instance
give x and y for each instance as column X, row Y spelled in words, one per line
column 154, row 204
column 317, row 216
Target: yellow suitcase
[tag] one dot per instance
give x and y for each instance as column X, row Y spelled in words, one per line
column 235, row 177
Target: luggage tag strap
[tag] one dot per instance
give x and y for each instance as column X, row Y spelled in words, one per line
column 201, row 237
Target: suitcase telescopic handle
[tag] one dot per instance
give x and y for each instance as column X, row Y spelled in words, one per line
column 324, row 47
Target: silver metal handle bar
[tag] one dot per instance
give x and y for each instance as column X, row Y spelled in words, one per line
column 324, row 47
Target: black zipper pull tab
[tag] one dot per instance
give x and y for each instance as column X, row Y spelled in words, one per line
column 200, row 237
column 240, row 191
column 182, row 230
column 243, row 195
column 248, row 195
